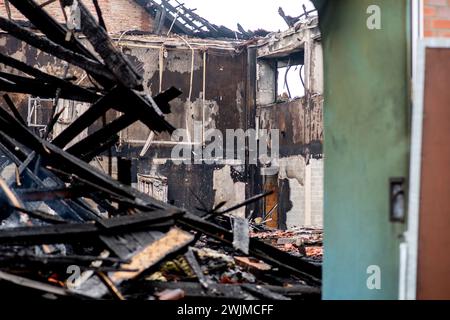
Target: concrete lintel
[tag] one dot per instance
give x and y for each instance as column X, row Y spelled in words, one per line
column 282, row 44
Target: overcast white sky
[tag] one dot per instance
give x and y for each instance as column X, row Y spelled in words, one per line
column 254, row 14
column 251, row 14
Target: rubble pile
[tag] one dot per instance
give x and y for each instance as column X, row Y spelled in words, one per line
column 298, row 241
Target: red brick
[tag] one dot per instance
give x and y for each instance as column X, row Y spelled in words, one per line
column 119, row 15
column 441, row 24
column 429, row 11
column 443, row 12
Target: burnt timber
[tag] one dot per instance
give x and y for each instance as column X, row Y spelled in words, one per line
column 56, row 202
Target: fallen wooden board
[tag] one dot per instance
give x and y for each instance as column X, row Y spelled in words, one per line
column 173, row 241
column 252, row 264
column 36, row 285
column 193, row 290
column 263, row 293
column 82, row 232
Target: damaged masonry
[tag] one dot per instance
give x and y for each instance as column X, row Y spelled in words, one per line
column 94, row 203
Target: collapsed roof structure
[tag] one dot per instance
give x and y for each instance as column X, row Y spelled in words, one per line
column 181, row 19
column 57, row 210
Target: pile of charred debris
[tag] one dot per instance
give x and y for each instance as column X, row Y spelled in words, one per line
column 305, row 242
column 70, row 231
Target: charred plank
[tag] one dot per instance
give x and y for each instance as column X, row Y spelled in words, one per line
column 100, row 148
column 86, row 145
column 83, row 232
column 116, row 62
column 45, row 194
column 87, row 118
column 48, row 46
column 89, row 95
column 13, row 108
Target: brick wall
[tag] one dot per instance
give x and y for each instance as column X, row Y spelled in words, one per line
column 436, row 18
column 119, row 15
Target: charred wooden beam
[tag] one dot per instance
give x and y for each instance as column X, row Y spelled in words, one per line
column 146, row 110
column 43, row 216
column 35, row 90
column 11, row 150
column 144, row 288
column 8, row 129
column 98, row 10
column 86, row 145
column 57, row 158
column 120, row 98
column 29, row 159
column 124, row 223
column 160, row 20
column 46, row 3
column 116, row 62
column 50, row 27
column 110, row 285
column 28, row 284
column 56, row 32
column 124, row 166
column 8, row 9
column 171, row 17
column 14, row 152
column 163, row 99
column 195, row 266
column 65, row 210
column 13, row 109
column 73, row 210
column 64, row 233
column 69, row 259
column 245, row 203
column 107, row 194
column 290, row 21
column 101, row 148
column 263, row 293
column 87, row 94
column 87, row 118
column 56, row 115
column 86, row 232
column 19, row 84
column 46, row 194
column 57, row 263
column 91, row 66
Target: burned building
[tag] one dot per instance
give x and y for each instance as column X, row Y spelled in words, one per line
column 227, row 84
column 92, row 114
column 299, row 181
column 158, row 158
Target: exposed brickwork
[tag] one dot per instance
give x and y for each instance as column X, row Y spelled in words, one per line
column 436, row 18
column 119, row 15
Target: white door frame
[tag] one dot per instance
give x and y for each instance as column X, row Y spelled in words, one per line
column 412, row 233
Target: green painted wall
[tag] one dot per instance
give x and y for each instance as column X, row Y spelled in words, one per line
column 366, row 143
